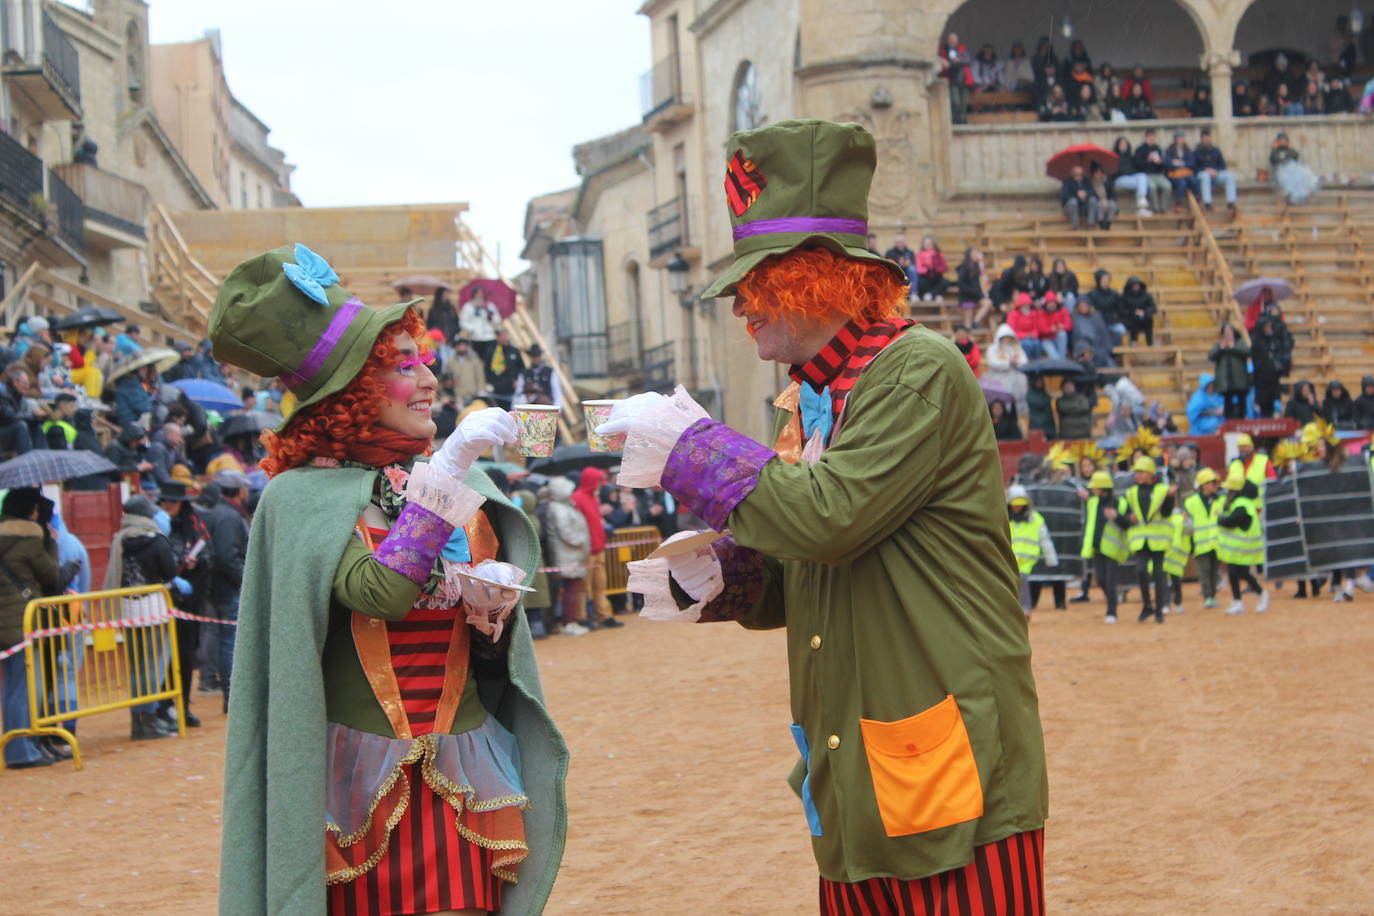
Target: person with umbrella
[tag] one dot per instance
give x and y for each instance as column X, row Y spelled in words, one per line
column 478, row 320
column 133, row 402
column 1078, row 200
column 402, row 579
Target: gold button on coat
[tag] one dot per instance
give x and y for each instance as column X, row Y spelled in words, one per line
column 815, row 642
column 833, row 741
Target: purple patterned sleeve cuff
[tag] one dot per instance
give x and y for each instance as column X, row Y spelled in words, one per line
column 414, row 543
column 742, row 570
column 712, row 469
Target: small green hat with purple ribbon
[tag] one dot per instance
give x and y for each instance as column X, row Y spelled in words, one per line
column 797, row 184
column 282, row 314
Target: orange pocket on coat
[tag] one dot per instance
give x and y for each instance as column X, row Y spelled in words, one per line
column 924, row 774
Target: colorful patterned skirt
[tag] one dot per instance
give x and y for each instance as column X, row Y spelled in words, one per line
column 1005, row 878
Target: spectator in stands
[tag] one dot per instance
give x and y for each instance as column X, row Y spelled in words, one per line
column 1261, row 305
column 1085, row 104
column 899, row 248
column 1044, row 56
column 1149, row 161
column 1265, row 107
column 1200, row 106
column 956, row 69
column 467, row 370
column 1046, row 79
column 128, row 453
column 969, row 347
column 1230, row 357
column 907, row 262
column 1078, row 200
column 59, row 433
column 15, row 412
column 1138, row 78
column 1178, row 164
column 132, row 400
column 1078, row 75
column 1278, row 76
column 442, row 315
column 1313, row 99
column 1002, row 365
column 1090, row 329
column 1041, row 415
column 1137, row 107
column 1287, row 106
column 1107, row 302
column 1004, row 425
column 1054, row 322
column 566, row 533
column 1211, row 167
column 1102, row 85
column 1017, row 75
column 1206, row 408
column 478, row 320
column 1138, row 311
column 1272, row 358
column 1107, row 207
column 1078, row 54
column 1012, row 281
column 536, row 382
column 1339, row 406
column 1056, row 106
column 1303, row 406
column 1075, row 411
column 1064, row 282
column 130, row 341
column 1291, row 178
column 971, row 283
column 166, row 451
column 504, row 365
column 1127, row 177
column 1344, row 53
column 930, row 270
column 1364, row 404
column 1037, row 282
column 1024, row 321
column 988, row 71
column 1242, row 105
column 1338, row 98
column 872, row 243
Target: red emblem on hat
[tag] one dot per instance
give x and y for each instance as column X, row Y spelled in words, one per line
column 743, row 183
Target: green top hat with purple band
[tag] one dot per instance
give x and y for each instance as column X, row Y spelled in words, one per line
column 797, row 184
column 282, row 314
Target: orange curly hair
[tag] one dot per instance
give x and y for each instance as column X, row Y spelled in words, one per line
column 323, row 429
column 813, row 281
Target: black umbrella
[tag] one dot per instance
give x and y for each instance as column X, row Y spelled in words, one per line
column 567, row 458
column 1052, row 367
column 88, row 316
column 253, row 422
column 43, row 465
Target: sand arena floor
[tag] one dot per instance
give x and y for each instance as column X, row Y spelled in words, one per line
column 1209, row 765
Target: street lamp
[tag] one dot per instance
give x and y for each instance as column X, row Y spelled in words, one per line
column 1066, row 27
column 678, row 268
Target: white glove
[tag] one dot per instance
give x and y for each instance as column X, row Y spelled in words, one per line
column 477, row 432
column 625, row 413
column 697, row 573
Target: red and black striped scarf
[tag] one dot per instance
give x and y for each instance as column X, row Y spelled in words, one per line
column 843, row 360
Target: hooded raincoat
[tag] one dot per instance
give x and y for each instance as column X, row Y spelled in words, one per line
column 1205, row 407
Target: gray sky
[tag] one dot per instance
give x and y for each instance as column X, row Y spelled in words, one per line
column 417, row 101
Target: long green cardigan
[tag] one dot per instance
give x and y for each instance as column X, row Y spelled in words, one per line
column 272, row 854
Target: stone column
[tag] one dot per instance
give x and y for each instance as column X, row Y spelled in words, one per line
column 1218, row 66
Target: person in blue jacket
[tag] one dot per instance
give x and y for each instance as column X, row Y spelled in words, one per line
column 1205, row 408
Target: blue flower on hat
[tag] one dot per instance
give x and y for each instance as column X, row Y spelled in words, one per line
column 311, row 274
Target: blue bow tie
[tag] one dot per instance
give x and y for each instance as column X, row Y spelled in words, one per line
column 457, row 549
column 817, row 412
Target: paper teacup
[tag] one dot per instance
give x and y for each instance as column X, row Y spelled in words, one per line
column 598, row 412
column 538, row 426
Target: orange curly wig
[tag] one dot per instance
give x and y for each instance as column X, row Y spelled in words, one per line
column 813, row 281
column 323, row 429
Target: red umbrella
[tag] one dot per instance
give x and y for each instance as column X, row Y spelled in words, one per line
column 420, row 284
column 499, row 294
column 1062, row 162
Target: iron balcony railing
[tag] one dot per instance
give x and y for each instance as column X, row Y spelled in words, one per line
column 660, row 367
column 21, row 176
column 667, row 228
column 109, row 199
column 660, row 87
column 624, row 357
column 60, row 58
column 585, row 355
column 71, row 213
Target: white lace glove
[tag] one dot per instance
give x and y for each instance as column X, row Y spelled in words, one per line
column 697, row 573
column 488, row 606
column 653, row 424
column 477, row 432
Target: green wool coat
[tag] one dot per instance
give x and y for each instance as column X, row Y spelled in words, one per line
column 890, row 564
column 272, row 855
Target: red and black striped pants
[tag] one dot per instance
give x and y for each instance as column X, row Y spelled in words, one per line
column 1005, row 878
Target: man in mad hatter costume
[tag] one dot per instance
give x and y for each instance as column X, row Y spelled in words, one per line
column 872, row 529
column 388, row 748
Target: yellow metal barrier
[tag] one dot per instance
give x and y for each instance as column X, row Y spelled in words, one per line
column 132, row 656
column 622, row 546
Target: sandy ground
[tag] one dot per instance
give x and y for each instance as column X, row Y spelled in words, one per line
column 1210, row 765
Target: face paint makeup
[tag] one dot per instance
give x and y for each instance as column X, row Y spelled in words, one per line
column 399, row 390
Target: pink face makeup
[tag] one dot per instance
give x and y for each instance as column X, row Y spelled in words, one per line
column 400, row 390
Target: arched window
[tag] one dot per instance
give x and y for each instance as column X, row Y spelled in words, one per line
column 747, row 99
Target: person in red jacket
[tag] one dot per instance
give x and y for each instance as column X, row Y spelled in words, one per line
column 969, row 347
column 1025, row 323
column 957, row 67
column 1053, row 324
column 587, row 500
column 930, row 270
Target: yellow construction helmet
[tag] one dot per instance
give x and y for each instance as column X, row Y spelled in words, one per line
column 1235, row 480
column 1017, row 495
column 1244, row 440
column 1206, row 475
column 1100, row 480
column 1146, row 464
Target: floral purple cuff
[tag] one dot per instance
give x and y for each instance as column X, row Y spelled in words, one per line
column 712, row 469
column 414, row 543
column 742, row 570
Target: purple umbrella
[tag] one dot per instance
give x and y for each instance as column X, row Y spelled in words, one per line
column 499, row 294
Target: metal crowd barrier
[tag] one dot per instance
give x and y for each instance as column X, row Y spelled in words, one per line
column 131, row 659
column 622, row 546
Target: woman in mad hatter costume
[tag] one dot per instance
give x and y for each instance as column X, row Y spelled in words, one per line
column 872, row 530
column 388, row 747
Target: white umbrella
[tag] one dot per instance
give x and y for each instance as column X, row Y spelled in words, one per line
column 1250, row 290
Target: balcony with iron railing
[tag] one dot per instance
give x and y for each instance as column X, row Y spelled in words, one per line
column 42, row 64
column 584, row 355
column 70, row 222
column 660, row 367
column 661, row 97
column 21, row 181
column 624, row 358
column 116, row 209
column 667, row 231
